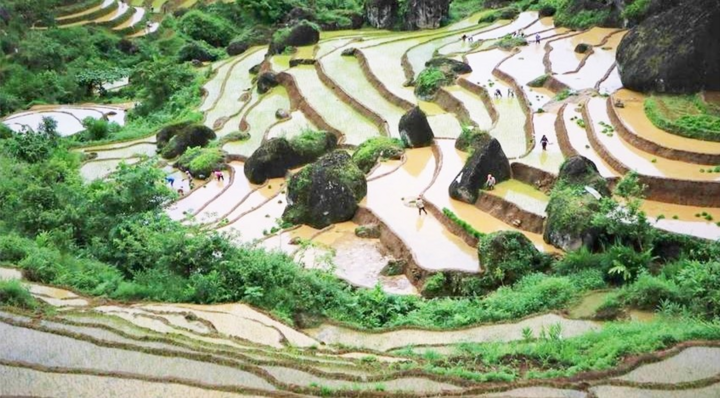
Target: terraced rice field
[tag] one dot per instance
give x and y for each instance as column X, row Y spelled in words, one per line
column 355, row 127
column 69, row 118
column 235, row 350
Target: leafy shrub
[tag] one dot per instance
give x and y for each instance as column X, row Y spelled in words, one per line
column 98, row 129
column 507, row 256
column 699, row 285
column 202, row 26
column 635, row 11
column 429, row 81
column 310, row 144
column 509, row 42
column 649, row 291
column 371, row 151
column 14, row 294
column 471, row 137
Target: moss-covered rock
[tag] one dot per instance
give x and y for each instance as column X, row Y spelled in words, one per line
column 236, row 48
column 538, row 81
column 197, row 51
column 266, row 81
column 368, row 231
column 325, row 192
column 310, row 144
column 415, row 130
column 438, row 72
column 303, row 33
column 272, row 159
column 371, row 151
column 579, row 170
column 201, row 161
column 582, row 48
column 173, row 141
column 487, row 158
column 471, row 137
column 677, row 51
column 275, row 157
column 507, row 256
column 572, row 207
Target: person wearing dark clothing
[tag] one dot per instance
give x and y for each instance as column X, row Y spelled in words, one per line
column 544, row 142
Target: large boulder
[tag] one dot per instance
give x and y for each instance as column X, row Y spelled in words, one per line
column 266, row 82
column 272, row 159
column 579, row 170
column 381, row 14
column 507, row 256
column 426, row 14
column 677, row 51
column 325, row 192
column 275, row 157
column 236, row 48
column 302, row 34
column 487, row 158
column 415, row 130
column 572, row 206
column 173, row 141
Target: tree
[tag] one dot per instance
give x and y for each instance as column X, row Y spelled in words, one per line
column 156, row 81
column 93, row 79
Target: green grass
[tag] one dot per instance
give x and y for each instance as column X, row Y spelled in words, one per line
column 429, row 82
column 462, row 224
column 686, row 116
column 550, row 355
column 14, row 294
column 376, row 149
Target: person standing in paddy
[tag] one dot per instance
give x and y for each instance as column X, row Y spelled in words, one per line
column 490, row 183
column 544, row 142
column 219, row 175
column 421, row 206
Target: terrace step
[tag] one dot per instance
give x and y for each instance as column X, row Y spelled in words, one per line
column 452, row 162
column 574, row 140
column 633, row 125
column 355, row 127
column 348, row 75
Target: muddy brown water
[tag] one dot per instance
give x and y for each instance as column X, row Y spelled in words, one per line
column 389, row 197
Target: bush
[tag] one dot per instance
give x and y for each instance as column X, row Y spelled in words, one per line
column 429, row 82
column 635, row 11
column 202, row 26
column 507, row 256
column 99, row 129
column 376, row 149
column 202, row 161
column 649, row 291
column 699, row 285
column 14, row 294
column 471, row 137
column 309, row 145
column 509, row 42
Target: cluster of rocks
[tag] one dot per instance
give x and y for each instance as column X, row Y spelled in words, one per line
column 418, row 14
